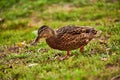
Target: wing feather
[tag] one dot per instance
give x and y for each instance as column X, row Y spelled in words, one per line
column 73, row 30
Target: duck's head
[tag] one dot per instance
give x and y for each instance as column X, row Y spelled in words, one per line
column 44, row 32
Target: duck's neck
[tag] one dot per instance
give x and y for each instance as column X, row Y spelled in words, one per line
column 51, row 41
column 52, row 33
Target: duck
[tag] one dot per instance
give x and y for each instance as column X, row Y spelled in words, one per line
column 66, row 38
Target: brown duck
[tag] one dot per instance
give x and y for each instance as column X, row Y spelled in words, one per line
column 66, row 38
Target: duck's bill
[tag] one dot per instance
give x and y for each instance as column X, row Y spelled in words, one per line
column 36, row 41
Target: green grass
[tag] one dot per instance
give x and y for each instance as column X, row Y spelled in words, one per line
column 21, row 18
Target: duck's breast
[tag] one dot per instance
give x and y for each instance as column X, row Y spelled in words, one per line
column 51, row 42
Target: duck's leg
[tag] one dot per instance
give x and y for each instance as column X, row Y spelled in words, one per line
column 81, row 48
column 66, row 56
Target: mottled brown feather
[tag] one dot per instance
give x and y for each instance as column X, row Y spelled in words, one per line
column 71, row 37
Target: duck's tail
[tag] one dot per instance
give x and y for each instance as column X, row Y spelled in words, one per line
column 93, row 31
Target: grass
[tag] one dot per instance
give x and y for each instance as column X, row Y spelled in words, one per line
column 19, row 19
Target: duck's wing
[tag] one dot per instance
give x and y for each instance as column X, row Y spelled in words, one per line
column 73, row 30
column 66, row 30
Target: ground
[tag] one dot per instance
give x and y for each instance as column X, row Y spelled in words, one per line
column 19, row 21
